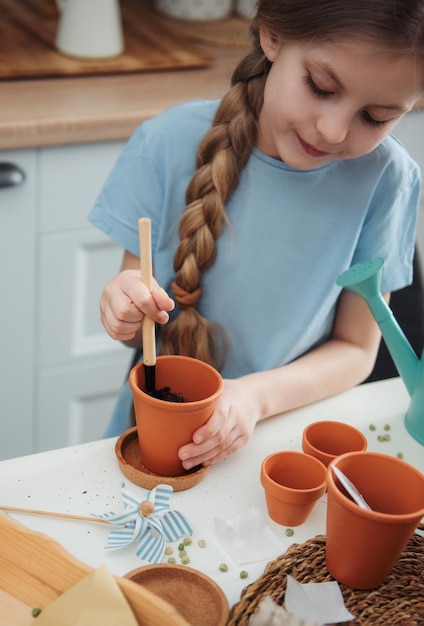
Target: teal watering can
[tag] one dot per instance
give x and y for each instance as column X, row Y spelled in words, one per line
column 364, row 279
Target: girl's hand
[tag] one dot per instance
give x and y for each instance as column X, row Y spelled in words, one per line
column 126, row 300
column 228, row 429
column 346, row 359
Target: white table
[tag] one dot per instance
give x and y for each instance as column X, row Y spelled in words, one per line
column 86, row 479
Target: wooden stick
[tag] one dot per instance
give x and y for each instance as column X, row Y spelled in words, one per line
column 146, row 267
column 79, row 518
column 148, row 326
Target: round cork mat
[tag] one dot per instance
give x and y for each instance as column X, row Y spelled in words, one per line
column 128, row 455
column 196, row 596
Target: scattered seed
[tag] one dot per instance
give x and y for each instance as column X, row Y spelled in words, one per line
column 400, row 455
column 372, row 427
column 171, row 559
column 187, row 541
column 35, row 612
column 180, row 547
column 201, row 543
column 169, row 550
column 223, row 567
column 243, row 574
column 289, row 532
column 387, row 427
column 381, row 437
column 387, row 437
column 182, row 554
column 185, row 560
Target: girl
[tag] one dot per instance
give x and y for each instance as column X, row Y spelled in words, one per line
column 259, row 201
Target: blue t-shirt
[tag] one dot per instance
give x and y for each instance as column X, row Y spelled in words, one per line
column 291, row 233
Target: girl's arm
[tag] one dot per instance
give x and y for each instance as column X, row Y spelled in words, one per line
column 342, row 362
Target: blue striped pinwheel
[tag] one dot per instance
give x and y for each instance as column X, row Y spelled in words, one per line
column 148, row 523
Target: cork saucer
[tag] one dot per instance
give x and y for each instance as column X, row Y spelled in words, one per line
column 195, row 596
column 128, row 454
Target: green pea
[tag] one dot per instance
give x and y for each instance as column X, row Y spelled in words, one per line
column 243, row 574
column 289, row 532
column 181, row 547
column 387, row 437
column 400, row 455
column 372, row 427
column 182, row 554
column 35, row 612
column 223, row 567
column 387, row 427
column 187, row 541
column 172, row 560
column 185, row 560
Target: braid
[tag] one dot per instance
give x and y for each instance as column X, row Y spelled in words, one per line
column 222, row 154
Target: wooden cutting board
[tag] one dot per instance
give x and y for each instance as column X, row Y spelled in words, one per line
column 28, row 30
column 34, row 570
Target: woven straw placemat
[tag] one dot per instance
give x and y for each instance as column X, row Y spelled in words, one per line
column 399, row 601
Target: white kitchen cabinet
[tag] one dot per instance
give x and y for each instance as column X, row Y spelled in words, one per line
column 62, row 371
column 17, row 306
column 410, row 132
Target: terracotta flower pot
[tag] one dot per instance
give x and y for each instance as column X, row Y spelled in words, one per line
column 293, row 482
column 162, row 426
column 362, row 546
column 327, row 440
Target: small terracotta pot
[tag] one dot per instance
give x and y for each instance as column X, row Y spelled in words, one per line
column 362, row 546
column 293, row 482
column 162, row 426
column 327, row 440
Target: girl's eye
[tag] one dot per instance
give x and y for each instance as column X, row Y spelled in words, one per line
column 321, row 93
column 371, row 121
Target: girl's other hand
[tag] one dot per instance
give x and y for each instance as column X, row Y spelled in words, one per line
column 228, row 429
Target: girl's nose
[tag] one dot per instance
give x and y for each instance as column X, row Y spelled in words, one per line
column 333, row 128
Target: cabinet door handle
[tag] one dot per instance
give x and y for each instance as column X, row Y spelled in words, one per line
column 10, row 175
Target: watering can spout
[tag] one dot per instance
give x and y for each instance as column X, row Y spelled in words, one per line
column 364, row 279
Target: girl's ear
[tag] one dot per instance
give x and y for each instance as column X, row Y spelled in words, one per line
column 270, row 44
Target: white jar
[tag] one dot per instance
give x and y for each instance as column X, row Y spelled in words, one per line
column 195, row 9
column 246, row 8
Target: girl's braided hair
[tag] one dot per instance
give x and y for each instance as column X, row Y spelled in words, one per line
column 394, row 25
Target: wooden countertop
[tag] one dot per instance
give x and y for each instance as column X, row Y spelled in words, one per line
column 46, row 112
column 36, row 112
